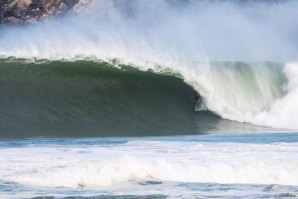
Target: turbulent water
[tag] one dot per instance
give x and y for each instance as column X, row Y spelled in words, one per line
column 84, row 98
column 125, row 70
column 255, row 166
column 258, row 40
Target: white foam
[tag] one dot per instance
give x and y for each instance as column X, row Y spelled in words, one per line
column 95, row 166
column 282, row 114
column 183, row 38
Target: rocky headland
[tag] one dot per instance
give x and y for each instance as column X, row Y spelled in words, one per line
column 30, row 11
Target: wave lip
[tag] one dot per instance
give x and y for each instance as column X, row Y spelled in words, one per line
column 241, row 72
column 87, row 98
column 95, row 98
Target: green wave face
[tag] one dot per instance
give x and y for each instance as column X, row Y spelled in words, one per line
column 87, row 98
column 243, row 64
column 83, row 98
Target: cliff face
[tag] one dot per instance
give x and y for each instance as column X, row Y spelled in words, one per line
column 29, row 11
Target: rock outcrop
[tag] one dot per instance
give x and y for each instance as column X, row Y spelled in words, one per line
column 30, row 11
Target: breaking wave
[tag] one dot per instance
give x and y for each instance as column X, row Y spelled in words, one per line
column 239, row 57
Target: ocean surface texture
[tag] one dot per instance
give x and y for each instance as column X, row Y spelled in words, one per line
column 99, row 102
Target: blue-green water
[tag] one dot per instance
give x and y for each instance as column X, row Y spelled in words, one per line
column 99, row 102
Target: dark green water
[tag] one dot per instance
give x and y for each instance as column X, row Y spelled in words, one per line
column 83, row 98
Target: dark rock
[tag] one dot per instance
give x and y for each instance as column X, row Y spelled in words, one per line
column 12, row 20
column 30, row 11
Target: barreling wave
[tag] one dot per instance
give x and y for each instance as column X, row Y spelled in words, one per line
column 207, row 48
column 77, row 98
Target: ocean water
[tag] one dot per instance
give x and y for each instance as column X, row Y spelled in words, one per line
column 98, row 103
column 206, row 166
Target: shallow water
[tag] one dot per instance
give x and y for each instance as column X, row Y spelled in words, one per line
column 211, row 166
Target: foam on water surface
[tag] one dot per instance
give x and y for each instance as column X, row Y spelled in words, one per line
column 133, row 163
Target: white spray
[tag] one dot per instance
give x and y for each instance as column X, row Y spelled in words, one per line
column 187, row 37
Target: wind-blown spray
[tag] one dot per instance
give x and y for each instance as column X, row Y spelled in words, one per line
column 236, row 55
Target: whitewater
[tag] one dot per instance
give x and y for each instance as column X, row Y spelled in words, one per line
column 185, row 38
column 99, row 102
column 170, row 167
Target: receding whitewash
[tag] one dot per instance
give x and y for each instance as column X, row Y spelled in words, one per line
column 95, row 166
